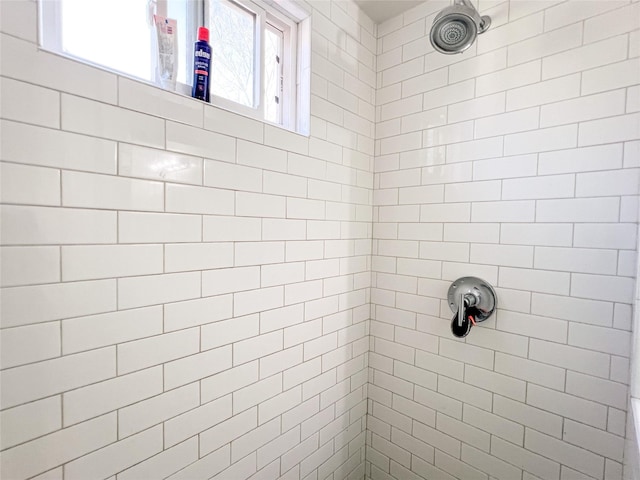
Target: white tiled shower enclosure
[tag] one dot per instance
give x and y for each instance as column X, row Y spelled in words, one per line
column 190, row 294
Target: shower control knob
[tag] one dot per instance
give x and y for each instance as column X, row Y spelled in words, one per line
column 472, row 300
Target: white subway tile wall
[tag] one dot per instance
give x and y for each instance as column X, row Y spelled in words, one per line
column 519, row 177
column 186, row 291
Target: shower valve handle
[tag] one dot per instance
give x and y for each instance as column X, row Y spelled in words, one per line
column 466, row 300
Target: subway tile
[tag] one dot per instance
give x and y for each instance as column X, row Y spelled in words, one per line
column 89, row 117
column 565, row 14
column 525, row 459
column 142, row 415
column 24, row 60
column 38, row 380
column 135, row 227
column 498, row 340
column 609, row 77
column 578, row 210
column 228, row 381
column 545, row 44
column 478, row 65
column 586, row 159
column 536, row 373
column 228, row 280
column 29, row 459
column 277, row 136
column 594, row 440
column 576, row 260
column 196, row 312
column 258, row 300
column 160, row 165
column 256, row 347
column 535, row 280
column 206, row 466
column 603, row 391
column 454, row 133
column 577, row 458
column 56, row 226
column 503, row 211
column 494, row 424
column 86, row 333
column 513, row 32
column 151, row 99
column 157, row 350
column 30, row 421
column 25, row 305
column 605, row 235
column 95, row 262
column 156, row 289
column 609, row 130
column 553, row 186
column 260, row 205
column 575, row 309
column 29, row 265
column 476, row 191
column 606, row 340
column 505, row 123
column 228, row 331
column 467, row 353
column 424, row 120
column 227, row 229
column 19, row 19
column 118, row 456
column 192, row 199
column 221, row 174
column 451, row 94
column 544, row 92
column 189, row 369
column 474, row 150
column 601, row 287
column 457, row 468
column 625, row 19
column 24, row 102
column 165, row 463
column 260, row 156
column 572, row 358
column 256, row 393
column 100, row 398
column 509, row 78
column 488, row 463
column 460, row 390
column 584, row 108
column 200, row 143
column 585, row 57
column 528, row 416
column 22, row 184
column 508, row 167
column 541, row 140
column 32, row 343
column 197, row 256
column 55, row 148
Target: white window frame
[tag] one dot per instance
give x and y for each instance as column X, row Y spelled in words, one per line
column 265, row 14
column 286, row 15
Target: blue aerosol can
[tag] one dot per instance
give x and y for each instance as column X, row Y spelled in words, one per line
column 201, row 66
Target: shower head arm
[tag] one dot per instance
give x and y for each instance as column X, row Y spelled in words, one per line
column 485, row 20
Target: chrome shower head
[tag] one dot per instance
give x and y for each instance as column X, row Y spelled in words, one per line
column 456, row 27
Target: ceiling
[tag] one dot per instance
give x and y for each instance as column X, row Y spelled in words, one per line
column 381, row 10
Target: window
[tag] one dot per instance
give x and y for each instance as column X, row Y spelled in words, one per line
column 259, row 64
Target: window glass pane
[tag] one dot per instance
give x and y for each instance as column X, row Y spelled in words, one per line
column 232, row 31
column 273, row 41
column 114, row 34
column 177, row 9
